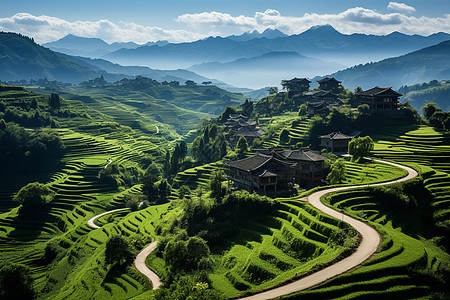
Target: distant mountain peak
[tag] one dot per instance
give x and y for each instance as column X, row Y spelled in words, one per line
column 322, row 28
column 267, row 33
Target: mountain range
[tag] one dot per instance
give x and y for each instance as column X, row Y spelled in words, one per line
column 431, row 63
column 320, row 42
column 262, row 70
column 92, row 47
column 21, row 58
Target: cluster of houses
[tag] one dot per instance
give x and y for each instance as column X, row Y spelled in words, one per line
column 271, row 171
column 239, row 125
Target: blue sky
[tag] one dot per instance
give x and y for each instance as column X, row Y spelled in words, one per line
column 178, row 21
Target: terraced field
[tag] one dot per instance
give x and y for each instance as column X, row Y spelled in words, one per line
column 297, row 130
column 394, row 272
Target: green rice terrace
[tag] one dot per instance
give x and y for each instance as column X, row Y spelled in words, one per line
column 119, row 152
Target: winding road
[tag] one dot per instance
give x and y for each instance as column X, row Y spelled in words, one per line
column 370, row 241
column 368, row 246
column 139, row 262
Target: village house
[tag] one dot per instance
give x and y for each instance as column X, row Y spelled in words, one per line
column 239, row 125
column 329, row 84
column 261, row 173
column 309, row 166
column 321, row 102
column 271, row 171
column 337, row 141
column 379, row 98
column 296, row 85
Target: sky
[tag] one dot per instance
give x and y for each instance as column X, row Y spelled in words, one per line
column 177, row 21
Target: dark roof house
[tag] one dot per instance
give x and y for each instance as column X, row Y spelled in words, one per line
column 297, row 85
column 328, row 84
column 261, row 173
column 337, row 141
column 379, row 98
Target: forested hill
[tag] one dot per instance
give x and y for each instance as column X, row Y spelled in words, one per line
column 22, row 58
column 420, row 66
column 434, row 91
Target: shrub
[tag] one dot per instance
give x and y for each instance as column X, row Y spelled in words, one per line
column 16, row 282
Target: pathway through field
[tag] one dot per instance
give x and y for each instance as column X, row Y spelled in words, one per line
column 368, row 246
column 139, row 262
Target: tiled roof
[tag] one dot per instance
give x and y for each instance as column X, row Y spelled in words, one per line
column 304, row 155
column 378, row 91
column 296, row 80
column 255, row 162
column 326, row 79
column 250, row 131
column 337, row 136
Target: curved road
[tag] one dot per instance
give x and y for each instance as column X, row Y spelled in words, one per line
column 368, row 246
column 91, row 220
column 139, row 262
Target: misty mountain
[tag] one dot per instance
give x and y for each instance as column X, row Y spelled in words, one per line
column 21, row 58
column 321, row 42
column 431, row 63
column 113, row 72
column 268, row 33
column 265, row 70
column 89, row 47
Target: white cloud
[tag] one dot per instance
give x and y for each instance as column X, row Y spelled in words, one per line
column 402, row 7
column 45, row 28
column 356, row 19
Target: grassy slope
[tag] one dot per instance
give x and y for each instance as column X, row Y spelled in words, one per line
column 395, row 272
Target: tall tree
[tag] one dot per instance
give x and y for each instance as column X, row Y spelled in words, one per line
column 117, row 250
column 337, row 174
column 54, row 101
column 241, row 147
column 360, row 147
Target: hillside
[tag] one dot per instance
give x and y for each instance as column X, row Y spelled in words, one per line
column 260, row 71
column 420, row 66
column 321, row 42
column 419, row 94
column 22, row 58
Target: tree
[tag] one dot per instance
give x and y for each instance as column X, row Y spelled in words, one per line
column 303, row 110
column 185, row 254
column 206, row 82
column 363, row 109
column 2, row 124
column 34, row 195
column 117, row 251
column 337, row 174
column 241, row 147
column 16, row 282
column 215, row 185
column 284, row 137
column 429, row 109
column 54, row 101
column 183, row 151
column 273, row 90
column 360, row 147
column 163, row 190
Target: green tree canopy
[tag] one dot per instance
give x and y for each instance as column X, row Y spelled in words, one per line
column 429, row 109
column 16, row 282
column 303, row 110
column 337, row 174
column 215, row 185
column 34, row 195
column 360, row 147
column 241, row 147
column 186, row 254
column 54, row 101
column 117, row 251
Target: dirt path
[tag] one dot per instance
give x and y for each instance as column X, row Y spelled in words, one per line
column 139, row 262
column 368, row 246
column 91, row 220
